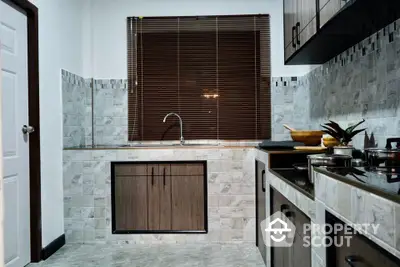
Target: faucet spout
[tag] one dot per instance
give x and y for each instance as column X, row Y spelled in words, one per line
column 182, row 140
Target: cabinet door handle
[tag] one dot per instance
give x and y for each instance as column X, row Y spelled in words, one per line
column 164, row 177
column 298, row 32
column 263, row 180
column 152, row 176
column 293, row 33
column 284, row 208
column 351, row 260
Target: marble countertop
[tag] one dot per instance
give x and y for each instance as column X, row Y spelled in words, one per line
column 374, row 183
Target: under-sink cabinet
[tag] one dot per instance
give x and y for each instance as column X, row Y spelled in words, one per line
column 159, row 197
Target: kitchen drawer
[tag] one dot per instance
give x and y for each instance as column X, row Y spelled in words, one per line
column 362, row 252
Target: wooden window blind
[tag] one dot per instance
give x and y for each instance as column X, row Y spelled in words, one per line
column 213, row 71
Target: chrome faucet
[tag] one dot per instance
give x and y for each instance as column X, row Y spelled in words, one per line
column 181, row 123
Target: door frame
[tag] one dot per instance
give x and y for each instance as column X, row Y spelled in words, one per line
column 31, row 11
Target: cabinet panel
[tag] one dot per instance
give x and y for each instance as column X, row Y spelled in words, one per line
column 364, row 252
column 329, row 10
column 131, row 169
column 261, row 206
column 307, row 32
column 154, row 184
column 187, row 197
column 187, row 169
column 131, row 202
column 290, row 19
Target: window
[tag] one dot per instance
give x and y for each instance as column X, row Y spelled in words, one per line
column 213, row 71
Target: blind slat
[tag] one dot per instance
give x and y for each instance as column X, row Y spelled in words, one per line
column 213, row 71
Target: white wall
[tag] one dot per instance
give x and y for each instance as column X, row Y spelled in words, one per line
column 60, row 46
column 109, row 28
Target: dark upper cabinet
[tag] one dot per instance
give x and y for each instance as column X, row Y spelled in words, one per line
column 300, row 24
column 318, row 30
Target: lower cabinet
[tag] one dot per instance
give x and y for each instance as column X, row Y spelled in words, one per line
column 297, row 255
column 260, row 207
column 159, row 197
column 360, row 251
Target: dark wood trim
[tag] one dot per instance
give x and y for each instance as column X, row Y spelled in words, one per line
column 31, row 12
column 271, row 205
column 256, row 181
column 113, row 222
column 52, row 248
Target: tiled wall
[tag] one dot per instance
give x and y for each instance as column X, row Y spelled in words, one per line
column 231, row 194
column 110, row 110
column 362, row 82
column 77, row 105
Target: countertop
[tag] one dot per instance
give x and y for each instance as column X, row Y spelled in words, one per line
column 297, row 180
column 374, row 183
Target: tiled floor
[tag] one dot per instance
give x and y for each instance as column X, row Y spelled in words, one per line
column 155, row 256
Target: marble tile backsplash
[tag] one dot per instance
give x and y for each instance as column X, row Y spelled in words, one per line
column 77, row 109
column 362, row 82
column 110, row 110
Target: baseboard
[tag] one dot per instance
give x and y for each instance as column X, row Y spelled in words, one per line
column 51, row 248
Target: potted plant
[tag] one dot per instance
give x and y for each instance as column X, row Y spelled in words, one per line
column 344, row 137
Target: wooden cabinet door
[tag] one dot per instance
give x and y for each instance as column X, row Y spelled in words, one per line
column 364, row 254
column 328, row 10
column 187, row 197
column 131, row 197
column 306, row 21
column 290, row 19
column 159, row 196
column 261, row 207
column 165, row 186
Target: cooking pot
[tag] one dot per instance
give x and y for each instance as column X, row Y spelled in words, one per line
column 328, row 161
column 384, row 159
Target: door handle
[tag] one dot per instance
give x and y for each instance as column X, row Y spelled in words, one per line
column 152, row 176
column 164, row 177
column 351, row 260
column 27, row 129
column 263, row 180
column 293, row 33
column 298, row 32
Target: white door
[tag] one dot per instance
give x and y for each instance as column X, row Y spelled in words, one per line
column 13, row 38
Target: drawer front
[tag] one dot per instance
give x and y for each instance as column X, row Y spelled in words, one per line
column 363, row 252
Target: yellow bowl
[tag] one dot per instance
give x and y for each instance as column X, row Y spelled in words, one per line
column 330, row 142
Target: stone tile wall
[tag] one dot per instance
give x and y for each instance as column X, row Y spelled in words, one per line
column 362, row 82
column 110, row 111
column 77, row 113
column 231, row 194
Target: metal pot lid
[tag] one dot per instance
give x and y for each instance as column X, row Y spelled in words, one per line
column 382, row 150
column 325, row 156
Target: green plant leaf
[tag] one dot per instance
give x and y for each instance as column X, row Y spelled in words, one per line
column 351, row 128
column 336, row 126
column 351, row 135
